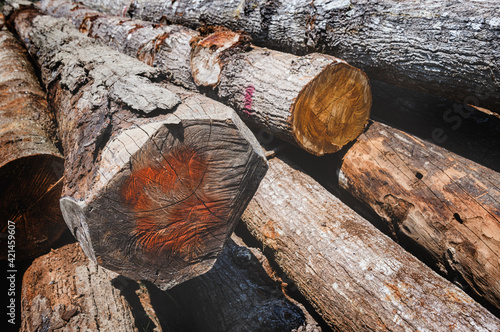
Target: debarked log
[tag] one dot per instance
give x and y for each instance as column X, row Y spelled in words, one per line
column 316, row 101
column 443, row 206
column 64, row 290
column 447, row 50
column 155, row 176
column 31, row 166
column 357, row 278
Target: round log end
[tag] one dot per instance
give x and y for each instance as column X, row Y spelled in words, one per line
column 208, row 53
column 332, row 110
column 29, row 207
column 171, row 194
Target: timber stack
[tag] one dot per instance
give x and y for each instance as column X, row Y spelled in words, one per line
column 386, row 232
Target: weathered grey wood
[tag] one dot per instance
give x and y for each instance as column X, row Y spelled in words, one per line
column 156, row 176
column 445, row 48
column 65, row 291
column 30, row 164
column 158, row 45
column 317, row 101
column 357, row 278
column 446, row 206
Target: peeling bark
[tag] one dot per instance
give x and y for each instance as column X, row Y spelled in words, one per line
column 64, row 291
column 431, row 199
column 317, row 101
column 357, row 278
column 156, row 176
column 30, row 164
column 449, row 49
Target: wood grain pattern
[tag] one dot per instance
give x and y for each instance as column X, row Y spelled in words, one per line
column 317, row 101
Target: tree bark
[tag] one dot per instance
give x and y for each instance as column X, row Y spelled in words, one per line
column 357, row 278
column 444, row 205
column 156, row 176
column 30, row 164
column 63, row 290
column 451, row 50
column 317, row 101
column 157, row 45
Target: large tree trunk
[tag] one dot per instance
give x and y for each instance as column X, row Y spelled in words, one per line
column 431, row 199
column 64, row 290
column 30, row 164
column 452, row 50
column 317, row 101
column 155, row 177
column 357, row 278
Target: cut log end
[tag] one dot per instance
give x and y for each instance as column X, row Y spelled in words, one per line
column 170, row 223
column 31, row 187
column 208, row 54
column 169, row 207
column 331, row 110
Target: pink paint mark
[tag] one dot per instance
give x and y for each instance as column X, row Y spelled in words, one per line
column 247, row 108
column 124, row 11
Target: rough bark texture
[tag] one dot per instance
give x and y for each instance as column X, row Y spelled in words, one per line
column 158, row 45
column 357, row 278
column 430, row 198
column 64, row 291
column 30, row 164
column 446, row 48
column 156, row 177
column 318, row 102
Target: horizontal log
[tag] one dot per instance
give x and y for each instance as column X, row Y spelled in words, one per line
column 317, row 101
column 64, row 290
column 433, row 200
column 157, row 45
column 357, row 278
column 156, row 176
column 425, row 45
column 30, row 164
column 457, row 127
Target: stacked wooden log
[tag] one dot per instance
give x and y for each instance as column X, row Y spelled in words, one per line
column 157, row 174
column 30, row 163
column 449, row 50
column 317, row 102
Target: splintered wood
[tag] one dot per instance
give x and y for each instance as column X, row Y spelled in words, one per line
column 155, row 176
